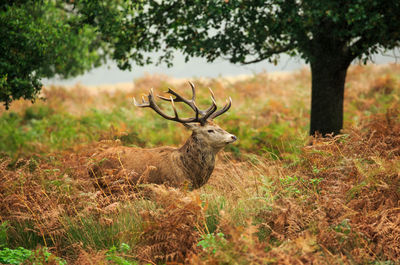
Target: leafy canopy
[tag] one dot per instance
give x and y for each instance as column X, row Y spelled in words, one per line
column 41, row 39
column 61, row 37
column 246, row 31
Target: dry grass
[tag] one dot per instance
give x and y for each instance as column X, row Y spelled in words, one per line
column 282, row 198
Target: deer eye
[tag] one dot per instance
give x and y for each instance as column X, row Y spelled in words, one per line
column 210, row 131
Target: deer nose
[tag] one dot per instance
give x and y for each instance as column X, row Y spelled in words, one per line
column 234, row 138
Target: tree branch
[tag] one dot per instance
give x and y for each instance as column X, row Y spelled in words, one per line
column 269, row 54
column 359, row 47
column 255, row 60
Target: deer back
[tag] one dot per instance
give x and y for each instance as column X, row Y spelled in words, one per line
column 135, row 165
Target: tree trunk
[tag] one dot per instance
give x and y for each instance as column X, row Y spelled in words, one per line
column 328, row 79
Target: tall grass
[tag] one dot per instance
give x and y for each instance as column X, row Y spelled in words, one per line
column 273, row 198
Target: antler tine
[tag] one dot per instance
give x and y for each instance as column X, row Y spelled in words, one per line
column 151, row 104
column 179, row 98
column 193, row 91
column 212, row 94
column 223, row 110
column 209, row 111
column 135, row 103
column 213, row 100
column 144, row 103
column 190, row 102
column 173, row 107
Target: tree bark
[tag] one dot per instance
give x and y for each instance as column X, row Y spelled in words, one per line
column 328, row 74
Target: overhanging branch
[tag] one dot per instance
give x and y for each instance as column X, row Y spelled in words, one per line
column 267, row 55
column 359, row 47
column 255, row 60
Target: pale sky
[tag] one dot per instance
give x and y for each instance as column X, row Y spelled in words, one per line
column 197, row 67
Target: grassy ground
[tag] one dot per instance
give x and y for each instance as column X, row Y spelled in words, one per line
column 272, row 199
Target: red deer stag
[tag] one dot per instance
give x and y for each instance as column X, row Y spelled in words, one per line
column 188, row 166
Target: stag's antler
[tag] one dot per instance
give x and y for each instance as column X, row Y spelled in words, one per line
column 201, row 116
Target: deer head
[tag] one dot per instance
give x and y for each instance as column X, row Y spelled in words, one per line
column 204, row 129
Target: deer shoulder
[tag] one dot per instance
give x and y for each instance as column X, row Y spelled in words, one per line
column 190, row 165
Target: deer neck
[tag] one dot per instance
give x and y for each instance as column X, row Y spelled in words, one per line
column 198, row 160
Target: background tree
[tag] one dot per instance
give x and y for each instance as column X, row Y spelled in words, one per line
column 328, row 34
column 42, row 39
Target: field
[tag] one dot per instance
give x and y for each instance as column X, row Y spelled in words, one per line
column 277, row 196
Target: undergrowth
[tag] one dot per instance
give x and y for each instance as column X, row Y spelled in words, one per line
column 275, row 197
